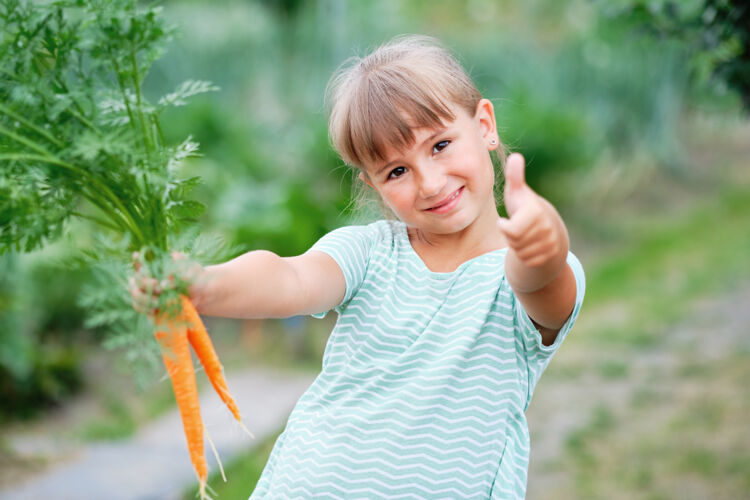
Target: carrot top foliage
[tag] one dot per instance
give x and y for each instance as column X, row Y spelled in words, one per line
column 75, row 125
column 79, row 139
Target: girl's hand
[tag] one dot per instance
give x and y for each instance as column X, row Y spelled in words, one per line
column 535, row 265
column 145, row 289
column 535, row 231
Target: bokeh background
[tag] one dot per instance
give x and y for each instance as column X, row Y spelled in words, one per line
column 633, row 118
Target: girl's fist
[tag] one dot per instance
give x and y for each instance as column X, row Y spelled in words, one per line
column 145, row 288
column 534, row 229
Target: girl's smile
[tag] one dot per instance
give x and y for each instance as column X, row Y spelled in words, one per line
column 448, row 204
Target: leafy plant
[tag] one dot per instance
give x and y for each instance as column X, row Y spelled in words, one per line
column 78, row 138
column 75, row 125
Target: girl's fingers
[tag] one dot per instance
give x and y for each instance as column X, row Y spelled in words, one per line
column 144, row 293
column 537, row 261
column 544, row 249
column 534, row 235
column 518, row 227
column 177, row 255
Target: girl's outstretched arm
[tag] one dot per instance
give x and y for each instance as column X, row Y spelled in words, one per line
column 535, row 265
column 261, row 284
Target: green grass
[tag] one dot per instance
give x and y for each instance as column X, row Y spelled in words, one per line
column 242, row 473
column 710, row 240
column 681, row 424
column 118, row 422
column 613, row 369
column 120, row 413
column 656, row 280
column 685, row 425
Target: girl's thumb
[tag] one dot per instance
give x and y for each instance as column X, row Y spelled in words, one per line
column 515, row 175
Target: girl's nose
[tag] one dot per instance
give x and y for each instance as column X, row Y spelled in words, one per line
column 431, row 181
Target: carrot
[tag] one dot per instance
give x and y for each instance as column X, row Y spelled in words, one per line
column 204, row 349
column 172, row 337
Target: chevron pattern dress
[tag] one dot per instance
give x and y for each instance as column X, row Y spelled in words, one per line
column 425, row 380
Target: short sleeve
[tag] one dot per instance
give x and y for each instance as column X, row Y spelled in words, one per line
column 350, row 247
column 532, row 339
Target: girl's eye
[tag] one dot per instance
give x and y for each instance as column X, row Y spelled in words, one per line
column 396, row 172
column 440, row 146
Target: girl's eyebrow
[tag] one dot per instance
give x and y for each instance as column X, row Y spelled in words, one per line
column 428, row 139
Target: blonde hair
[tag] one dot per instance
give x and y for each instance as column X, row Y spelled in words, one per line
column 376, row 101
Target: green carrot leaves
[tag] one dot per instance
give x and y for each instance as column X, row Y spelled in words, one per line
column 76, row 126
column 79, row 139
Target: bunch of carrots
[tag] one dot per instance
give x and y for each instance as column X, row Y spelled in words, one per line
column 176, row 333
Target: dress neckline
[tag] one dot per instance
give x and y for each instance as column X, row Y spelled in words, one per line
column 404, row 234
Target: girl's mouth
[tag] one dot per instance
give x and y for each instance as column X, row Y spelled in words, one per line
column 449, row 204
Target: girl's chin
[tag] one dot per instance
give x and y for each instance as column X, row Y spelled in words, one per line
column 454, row 225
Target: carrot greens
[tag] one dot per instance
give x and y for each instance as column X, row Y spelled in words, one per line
column 79, row 139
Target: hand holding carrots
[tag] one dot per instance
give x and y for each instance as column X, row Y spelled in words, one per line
column 146, row 290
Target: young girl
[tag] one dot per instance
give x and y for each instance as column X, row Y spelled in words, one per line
column 447, row 314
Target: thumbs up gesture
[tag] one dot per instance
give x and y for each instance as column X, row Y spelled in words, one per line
column 536, row 234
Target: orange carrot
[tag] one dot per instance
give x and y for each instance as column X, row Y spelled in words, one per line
column 172, row 337
column 204, row 349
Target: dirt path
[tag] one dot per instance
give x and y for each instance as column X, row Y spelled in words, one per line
column 643, row 403
column 154, row 465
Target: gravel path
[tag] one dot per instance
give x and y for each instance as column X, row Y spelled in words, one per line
column 154, row 465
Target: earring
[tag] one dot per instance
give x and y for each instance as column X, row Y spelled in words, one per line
column 493, row 142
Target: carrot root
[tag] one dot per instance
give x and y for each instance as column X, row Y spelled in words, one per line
column 216, row 454
column 204, row 349
column 242, row 425
column 175, row 337
column 172, row 338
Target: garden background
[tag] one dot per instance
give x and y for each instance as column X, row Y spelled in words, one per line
column 630, row 115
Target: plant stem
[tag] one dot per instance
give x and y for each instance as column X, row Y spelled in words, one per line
column 24, row 140
column 117, row 218
column 137, row 85
column 155, row 119
column 80, row 115
column 101, row 222
column 102, row 188
column 125, row 98
column 29, row 124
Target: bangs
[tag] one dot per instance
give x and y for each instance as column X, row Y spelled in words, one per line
column 378, row 101
column 391, row 104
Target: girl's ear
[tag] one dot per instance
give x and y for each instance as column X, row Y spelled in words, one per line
column 485, row 115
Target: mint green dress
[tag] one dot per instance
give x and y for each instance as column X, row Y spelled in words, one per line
column 425, row 381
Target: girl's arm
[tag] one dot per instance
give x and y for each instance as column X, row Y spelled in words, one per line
column 260, row 284
column 548, row 306
column 535, row 265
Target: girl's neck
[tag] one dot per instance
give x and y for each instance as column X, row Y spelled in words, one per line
column 445, row 252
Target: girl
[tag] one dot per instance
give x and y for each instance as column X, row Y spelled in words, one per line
column 447, row 314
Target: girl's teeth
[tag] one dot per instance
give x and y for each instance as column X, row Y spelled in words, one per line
column 448, row 200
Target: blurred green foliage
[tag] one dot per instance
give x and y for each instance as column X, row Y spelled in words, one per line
column 716, row 33
column 39, row 366
column 572, row 83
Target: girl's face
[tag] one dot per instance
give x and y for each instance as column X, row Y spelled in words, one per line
column 444, row 181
